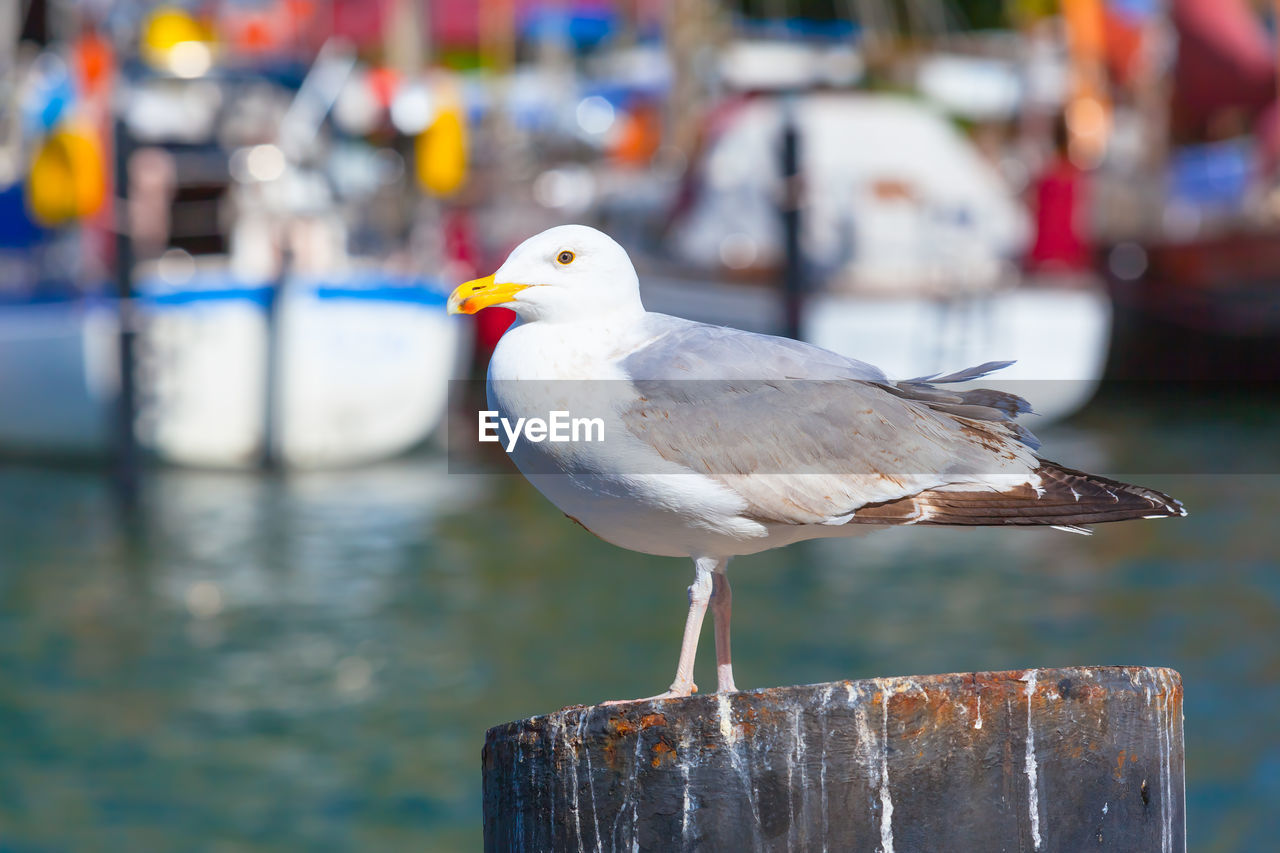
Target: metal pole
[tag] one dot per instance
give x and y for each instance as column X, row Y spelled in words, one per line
column 270, row 457
column 793, row 270
column 126, row 440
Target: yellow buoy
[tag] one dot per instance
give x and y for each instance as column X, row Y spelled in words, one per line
column 68, row 177
column 440, row 153
column 174, row 41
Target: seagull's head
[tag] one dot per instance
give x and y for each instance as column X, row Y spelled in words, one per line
column 564, row 274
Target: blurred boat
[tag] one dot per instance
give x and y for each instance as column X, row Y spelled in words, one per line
column 910, row 232
column 339, row 370
column 1204, row 309
column 58, row 376
column 1058, row 335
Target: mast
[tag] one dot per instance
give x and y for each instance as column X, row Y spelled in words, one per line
column 695, row 32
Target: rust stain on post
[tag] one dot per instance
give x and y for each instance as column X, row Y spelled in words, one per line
column 1037, row 760
column 650, row 720
column 663, row 754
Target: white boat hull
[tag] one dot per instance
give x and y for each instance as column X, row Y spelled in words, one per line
column 58, row 377
column 361, row 374
column 1058, row 337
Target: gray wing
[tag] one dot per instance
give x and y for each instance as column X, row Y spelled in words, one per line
column 682, row 349
column 807, row 436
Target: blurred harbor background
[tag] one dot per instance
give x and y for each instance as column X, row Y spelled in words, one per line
column 249, row 602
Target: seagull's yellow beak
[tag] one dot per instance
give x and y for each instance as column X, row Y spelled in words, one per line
column 471, row 296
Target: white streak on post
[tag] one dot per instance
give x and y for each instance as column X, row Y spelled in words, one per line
column 571, row 746
column 552, row 804
column 595, row 813
column 726, row 720
column 1165, row 721
column 797, row 760
column 687, row 813
column 635, row 802
column 886, row 801
column 822, row 766
column 730, row 734
column 1032, row 769
column 867, row 746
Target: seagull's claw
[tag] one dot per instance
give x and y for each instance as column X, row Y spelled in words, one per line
column 677, row 691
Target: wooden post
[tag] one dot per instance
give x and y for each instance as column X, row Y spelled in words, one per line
column 1083, row 758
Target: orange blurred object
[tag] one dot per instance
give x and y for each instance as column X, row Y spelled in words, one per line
column 639, row 136
column 257, row 34
column 1088, row 111
column 94, row 63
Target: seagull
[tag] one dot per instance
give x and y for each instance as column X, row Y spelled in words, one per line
column 719, row 442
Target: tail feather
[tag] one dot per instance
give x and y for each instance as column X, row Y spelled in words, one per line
column 1063, row 498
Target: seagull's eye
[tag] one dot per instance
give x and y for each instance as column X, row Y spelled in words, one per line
column 565, row 258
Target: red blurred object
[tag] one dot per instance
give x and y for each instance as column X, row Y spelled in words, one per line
column 450, row 22
column 1225, row 59
column 358, row 21
column 383, row 83
column 267, row 28
column 491, row 325
column 456, row 22
column 1060, row 199
column 462, row 249
column 257, row 35
column 1267, row 130
column 460, row 239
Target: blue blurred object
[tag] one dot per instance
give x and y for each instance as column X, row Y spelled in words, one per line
column 221, row 286
column 17, row 230
column 1135, row 10
column 836, row 29
column 621, row 95
column 385, row 289
column 585, row 25
column 49, row 94
column 1215, row 174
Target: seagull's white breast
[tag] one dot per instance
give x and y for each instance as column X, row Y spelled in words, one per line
column 618, row 488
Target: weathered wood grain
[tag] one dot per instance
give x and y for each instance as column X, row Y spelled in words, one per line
column 1085, row 758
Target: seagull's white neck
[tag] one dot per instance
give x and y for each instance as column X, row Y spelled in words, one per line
column 619, row 312
column 567, row 348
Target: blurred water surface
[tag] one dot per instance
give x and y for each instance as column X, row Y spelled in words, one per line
column 310, row 662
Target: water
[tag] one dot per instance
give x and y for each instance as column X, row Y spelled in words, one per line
column 310, row 663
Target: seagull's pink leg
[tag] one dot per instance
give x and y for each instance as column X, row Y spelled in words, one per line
column 699, row 597
column 721, row 610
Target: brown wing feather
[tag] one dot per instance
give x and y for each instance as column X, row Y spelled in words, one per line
column 1065, row 498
